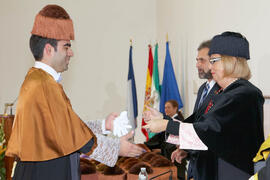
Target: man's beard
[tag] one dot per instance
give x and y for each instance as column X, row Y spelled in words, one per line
column 205, row 75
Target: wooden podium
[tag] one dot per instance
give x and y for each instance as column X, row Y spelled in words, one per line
column 8, row 122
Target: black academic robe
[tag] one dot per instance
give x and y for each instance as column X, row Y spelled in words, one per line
column 232, row 130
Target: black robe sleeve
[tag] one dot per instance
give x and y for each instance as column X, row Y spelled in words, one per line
column 173, row 128
column 87, row 147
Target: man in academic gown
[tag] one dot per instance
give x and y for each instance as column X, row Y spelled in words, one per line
column 48, row 136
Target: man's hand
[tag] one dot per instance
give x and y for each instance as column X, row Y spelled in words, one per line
column 128, row 149
column 156, row 125
column 178, row 155
column 109, row 120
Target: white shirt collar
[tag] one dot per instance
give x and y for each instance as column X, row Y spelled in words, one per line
column 40, row 65
column 174, row 115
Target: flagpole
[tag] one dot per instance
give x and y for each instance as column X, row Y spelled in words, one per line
column 132, row 139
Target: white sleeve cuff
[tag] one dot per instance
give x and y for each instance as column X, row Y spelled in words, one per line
column 103, row 128
column 188, row 138
column 173, row 139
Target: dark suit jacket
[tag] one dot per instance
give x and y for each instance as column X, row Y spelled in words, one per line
column 201, row 158
column 205, row 103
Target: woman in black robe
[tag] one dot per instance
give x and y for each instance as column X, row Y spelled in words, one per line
column 231, row 129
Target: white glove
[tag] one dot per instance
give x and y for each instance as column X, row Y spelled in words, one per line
column 121, row 125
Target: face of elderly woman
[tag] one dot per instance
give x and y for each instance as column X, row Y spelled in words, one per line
column 216, row 67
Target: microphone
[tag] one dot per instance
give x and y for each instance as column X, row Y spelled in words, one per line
column 170, row 177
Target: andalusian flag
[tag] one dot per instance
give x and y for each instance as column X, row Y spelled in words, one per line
column 132, row 94
column 147, row 100
column 155, row 88
column 169, row 88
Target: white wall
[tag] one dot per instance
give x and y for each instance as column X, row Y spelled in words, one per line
column 97, row 75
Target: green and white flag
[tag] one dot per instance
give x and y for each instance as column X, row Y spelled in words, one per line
column 155, row 88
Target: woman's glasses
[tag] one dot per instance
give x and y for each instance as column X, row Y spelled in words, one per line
column 213, row 60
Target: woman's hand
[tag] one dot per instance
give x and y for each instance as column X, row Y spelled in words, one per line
column 151, row 113
column 156, row 125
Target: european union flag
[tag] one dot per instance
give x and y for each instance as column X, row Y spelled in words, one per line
column 169, row 88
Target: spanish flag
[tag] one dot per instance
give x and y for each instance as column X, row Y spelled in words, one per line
column 147, row 98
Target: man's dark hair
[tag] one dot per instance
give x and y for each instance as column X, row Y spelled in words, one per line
column 37, row 44
column 204, row 44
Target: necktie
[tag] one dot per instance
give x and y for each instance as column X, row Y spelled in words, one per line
column 204, row 94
